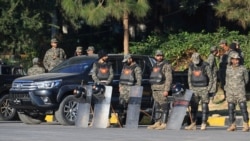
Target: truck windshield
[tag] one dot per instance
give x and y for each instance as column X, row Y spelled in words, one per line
column 74, row 65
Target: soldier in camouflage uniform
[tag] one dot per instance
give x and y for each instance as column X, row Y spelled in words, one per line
column 214, row 69
column 53, row 56
column 102, row 71
column 223, row 64
column 161, row 80
column 78, row 51
column 200, row 82
column 36, row 69
column 236, row 80
column 131, row 75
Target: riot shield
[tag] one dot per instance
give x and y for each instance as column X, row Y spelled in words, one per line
column 179, row 110
column 101, row 110
column 134, row 106
column 83, row 110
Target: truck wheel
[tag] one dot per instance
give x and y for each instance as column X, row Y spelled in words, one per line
column 28, row 119
column 67, row 112
column 6, row 112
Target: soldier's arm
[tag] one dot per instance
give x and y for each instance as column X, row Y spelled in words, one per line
column 45, row 60
column 246, row 76
column 111, row 75
column 168, row 76
column 210, row 60
column 94, row 77
column 138, row 76
column 210, row 77
column 189, row 78
column 62, row 54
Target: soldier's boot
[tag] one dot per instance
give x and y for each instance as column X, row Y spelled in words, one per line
column 232, row 127
column 243, row 108
column 164, row 121
column 231, row 111
column 192, row 126
column 194, row 109
column 155, row 125
column 203, row 126
column 245, row 127
column 204, row 116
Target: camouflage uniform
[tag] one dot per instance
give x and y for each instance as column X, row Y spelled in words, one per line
column 158, row 89
column 236, row 80
column 161, row 81
column 49, row 61
column 212, row 63
column 125, row 89
column 36, row 69
column 95, row 70
column 196, row 69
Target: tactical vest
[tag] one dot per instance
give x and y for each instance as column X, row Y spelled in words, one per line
column 199, row 77
column 156, row 76
column 128, row 75
column 103, row 71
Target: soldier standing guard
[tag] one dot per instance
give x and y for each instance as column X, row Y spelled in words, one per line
column 236, row 80
column 223, row 64
column 36, row 69
column 214, row 69
column 161, row 80
column 200, row 82
column 53, row 56
column 131, row 75
column 102, row 71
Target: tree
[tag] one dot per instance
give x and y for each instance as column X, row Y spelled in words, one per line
column 23, row 23
column 234, row 10
column 95, row 13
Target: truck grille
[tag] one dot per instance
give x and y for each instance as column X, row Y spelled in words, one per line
column 24, row 96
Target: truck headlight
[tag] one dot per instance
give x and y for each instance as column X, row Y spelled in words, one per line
column 48, row 84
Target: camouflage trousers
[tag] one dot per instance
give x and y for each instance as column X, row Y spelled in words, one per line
column 236, row 98
column 158, row 97
column 124, row 92
column 200, row 95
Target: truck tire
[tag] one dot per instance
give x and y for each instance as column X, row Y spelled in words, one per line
column 28, row 119
column 67, row 112
column 6, row 112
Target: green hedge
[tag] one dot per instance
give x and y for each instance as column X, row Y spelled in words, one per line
column 179, row 47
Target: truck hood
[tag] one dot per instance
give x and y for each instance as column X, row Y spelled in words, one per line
column 45, row 76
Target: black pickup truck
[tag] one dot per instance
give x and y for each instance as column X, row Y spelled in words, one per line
column 52, row 93
column 7, row 75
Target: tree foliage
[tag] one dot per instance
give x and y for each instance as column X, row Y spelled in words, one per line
column 234, row 10
column 95, row 12
column 21, row 25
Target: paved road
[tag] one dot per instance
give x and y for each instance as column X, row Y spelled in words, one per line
column 17, row 131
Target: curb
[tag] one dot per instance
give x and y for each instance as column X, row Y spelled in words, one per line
column 212, row 121
column 224, row 121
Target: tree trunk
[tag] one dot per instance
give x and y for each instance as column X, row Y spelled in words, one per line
column 126, row 33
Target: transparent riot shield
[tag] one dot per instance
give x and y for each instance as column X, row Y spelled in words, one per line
column 101, row 110
column 83, row 110
column 134, row 106
column 179, row 110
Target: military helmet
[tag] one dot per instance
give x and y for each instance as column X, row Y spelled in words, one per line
column 178, row 90
column 80, row 92
column 98, row 91
column 234, row 54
